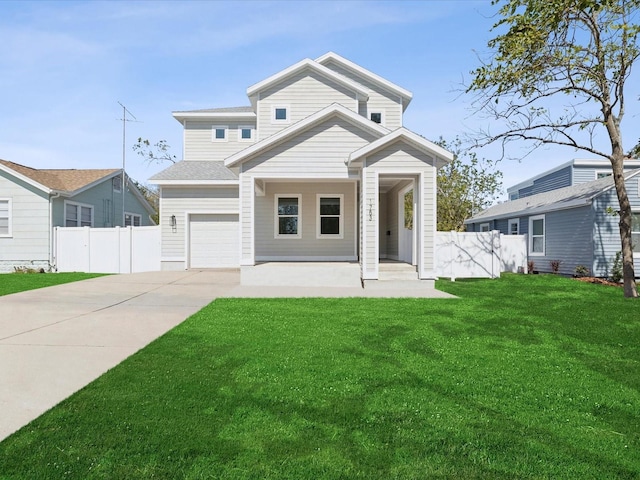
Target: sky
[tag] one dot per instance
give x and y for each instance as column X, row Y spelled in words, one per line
column 66, row 68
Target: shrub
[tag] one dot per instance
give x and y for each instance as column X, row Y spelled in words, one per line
column 530, row 266
column 555, row 265
column 616, row 268
column 581, row 271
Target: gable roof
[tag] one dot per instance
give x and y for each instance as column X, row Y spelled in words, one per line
column 68, row 181
column 306, row 64
column 332, row 110
column 441, row 155
column 195, row 172
column 559, row 199
column 363, row 72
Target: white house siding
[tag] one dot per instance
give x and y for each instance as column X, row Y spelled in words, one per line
column 308, row 246
column 29, row 243
column 180, row 201
column 199, row 143
column 402, row 159
column 383, row 226
column 606, row 233
column 380, row 99
column 304, row 94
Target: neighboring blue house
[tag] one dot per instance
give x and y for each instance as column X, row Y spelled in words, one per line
column 34, row 201
column 566, row 214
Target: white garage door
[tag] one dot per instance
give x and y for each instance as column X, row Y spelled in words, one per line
column 214, row 241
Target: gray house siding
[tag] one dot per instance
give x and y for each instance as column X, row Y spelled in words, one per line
column 559, row 179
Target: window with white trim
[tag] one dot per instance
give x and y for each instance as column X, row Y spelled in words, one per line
column 78, row 215
column 219, row 133
column 330, row 221
column 514, row 226
column 132, row 220
column 287, row 216
column 537, row 231
column 280, row 114
column 485, row 227
column 603, row 174
column 245, row 133
column 117, row 184
column 5, row 217
column 377, row 117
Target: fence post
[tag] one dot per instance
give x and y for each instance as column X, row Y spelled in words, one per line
column 454, row 249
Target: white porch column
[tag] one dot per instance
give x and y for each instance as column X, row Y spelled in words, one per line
column 247, row 209
column 370, row 217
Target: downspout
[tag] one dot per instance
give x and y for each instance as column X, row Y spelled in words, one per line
column 51, row 252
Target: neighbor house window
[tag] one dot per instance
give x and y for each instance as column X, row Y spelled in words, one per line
column 219, row 133
column 117, row 184
column 513, row 196
column 635, row 231
column 603, row 174
column 377, row 117
column 5, row 217
column 536, row 235
column 78, row 215
column 288, row 224
column 514, row 226
column 281, row 114
column 330, row 216
column 245, row 134
column 485, row 227
column 132, row 220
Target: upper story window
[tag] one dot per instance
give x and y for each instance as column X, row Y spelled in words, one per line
column 5, row 217
column 219, row 133
column 513, row 196
column 281, row 114
column 536, row 235
column 602, row 174
column 485, row 227
column 377, row 117
column 78, row 215
column 245, row 133
column 117, row 184
column 635, row 232
column 288, row 224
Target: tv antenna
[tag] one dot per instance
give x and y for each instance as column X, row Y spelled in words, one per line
column 124, row 120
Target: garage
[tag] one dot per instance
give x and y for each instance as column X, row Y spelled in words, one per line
column 214, row 241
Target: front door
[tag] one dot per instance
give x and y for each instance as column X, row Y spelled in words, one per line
column 405, row 227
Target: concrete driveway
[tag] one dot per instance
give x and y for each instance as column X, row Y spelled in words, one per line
column 56, row 340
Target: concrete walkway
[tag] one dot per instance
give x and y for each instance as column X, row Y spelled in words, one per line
column 56, row 340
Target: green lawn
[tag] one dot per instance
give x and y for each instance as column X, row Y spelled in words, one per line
column 524, row 377
column 19, row 282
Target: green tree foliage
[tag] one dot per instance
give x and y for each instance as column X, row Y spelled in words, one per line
column 150, row 194
column 466, row 186
column 557, row 75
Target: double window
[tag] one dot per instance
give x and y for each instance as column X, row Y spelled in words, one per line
column 537, row 231
column 78, row 215
column 330, row 216
column 132, row 220
column 329, row 220
column 5, row 217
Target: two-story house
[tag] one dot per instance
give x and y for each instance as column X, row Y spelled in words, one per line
column 315, row 169
column 568, row 213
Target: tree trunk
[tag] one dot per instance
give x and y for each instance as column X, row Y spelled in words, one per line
column 628, row 272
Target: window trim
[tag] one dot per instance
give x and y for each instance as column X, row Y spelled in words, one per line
column 9, row 233
column 245, row 127
column 287, row 120
column 382, row 113
column 636, row 254
column 78, row 219
column 544, row 235
column 516, row 222
column 319, row 234
column 276, row 222
column 487, row 225
column 596, row 174
column 133, row 215
column 218, row 127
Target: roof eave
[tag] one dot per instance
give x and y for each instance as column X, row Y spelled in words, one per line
column 194, row 182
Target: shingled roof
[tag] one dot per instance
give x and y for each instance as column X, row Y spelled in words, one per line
column 195, row 171
column 64, row 180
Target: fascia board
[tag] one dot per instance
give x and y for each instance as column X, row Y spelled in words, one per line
column 26, row 179
column 182, row 116
column 307, row 63
column 302, row 125
column 179, row 183
column 404, row 93
column 401, row 134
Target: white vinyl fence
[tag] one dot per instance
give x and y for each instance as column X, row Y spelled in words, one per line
column 107, row 250
column 479, row 254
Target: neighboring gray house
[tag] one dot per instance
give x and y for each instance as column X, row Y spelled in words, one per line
column 34, row 201
column 315, row 169
column 572, row 224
